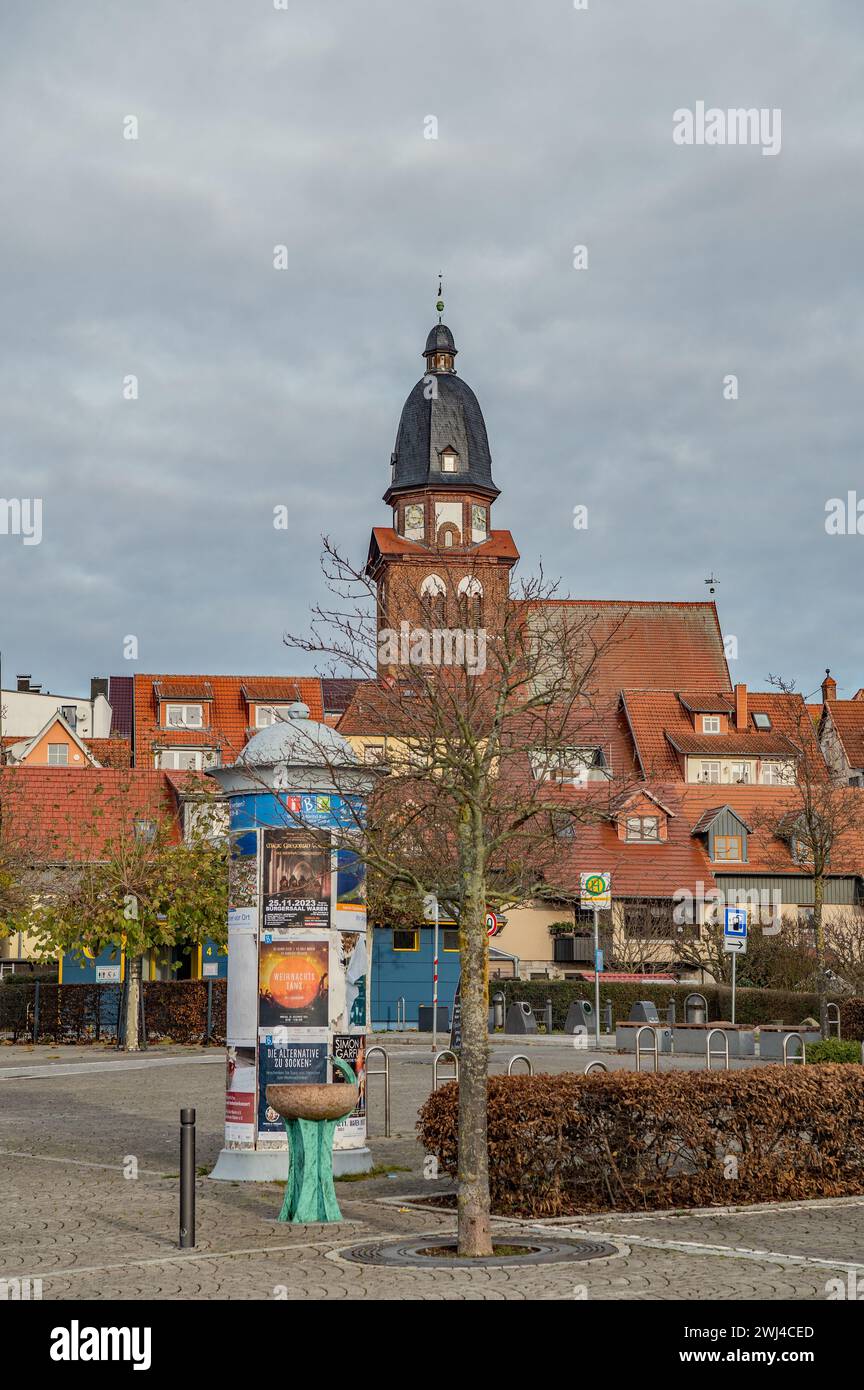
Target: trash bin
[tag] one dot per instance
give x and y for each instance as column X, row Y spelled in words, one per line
column 645, row 1011
column 498, row 1010
column 580, row 1015
column 520, row 1018
column 424, row 1018
column 695, row 1009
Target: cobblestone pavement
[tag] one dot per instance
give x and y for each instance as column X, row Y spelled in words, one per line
column 70, row 1217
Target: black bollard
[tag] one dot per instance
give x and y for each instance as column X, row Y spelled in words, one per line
column 187, row 1179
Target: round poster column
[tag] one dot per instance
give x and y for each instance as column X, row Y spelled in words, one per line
column 298, row 950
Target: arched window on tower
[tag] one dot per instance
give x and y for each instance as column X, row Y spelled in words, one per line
column 470, row 592
column 433, row 597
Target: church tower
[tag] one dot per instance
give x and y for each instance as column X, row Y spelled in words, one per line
column 440, row 564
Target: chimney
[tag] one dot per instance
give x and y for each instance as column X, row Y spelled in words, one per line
column 23, row 682
column 741, row 707
column 98, row 686
column 829, row 686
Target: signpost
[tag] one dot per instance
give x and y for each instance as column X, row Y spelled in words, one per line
column 430, row 912
column 735, row 941
column 596, row 892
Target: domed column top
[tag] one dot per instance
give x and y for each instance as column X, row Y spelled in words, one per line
column 440, row 350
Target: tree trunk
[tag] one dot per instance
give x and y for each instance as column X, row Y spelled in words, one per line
column 819, row 931
column 133, row 1003
column 474, row 1226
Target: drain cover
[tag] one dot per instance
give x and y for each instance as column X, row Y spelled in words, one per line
column 399, row 1253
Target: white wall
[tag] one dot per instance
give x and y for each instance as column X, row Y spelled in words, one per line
column 25, row 713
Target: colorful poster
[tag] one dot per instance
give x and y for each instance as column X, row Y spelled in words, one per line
column 296, row 881
column 286, row 1064
column 348, row 1005
column 240, row 1098
column 242, row 882
column 351, row 1048
column 350, row 882
column 293, row 979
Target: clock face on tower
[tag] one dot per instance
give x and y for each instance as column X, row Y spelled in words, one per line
column 414, row 522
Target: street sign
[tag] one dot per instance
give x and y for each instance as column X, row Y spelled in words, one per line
column 735, row 930
column 596, row 889
column 494, row 923
column 456, row 1021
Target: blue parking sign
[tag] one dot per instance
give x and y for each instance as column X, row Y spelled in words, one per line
column 735, row 922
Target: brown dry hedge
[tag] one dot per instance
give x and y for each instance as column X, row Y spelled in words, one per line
column 175, row 1010
column 566, row 1144
column 852, row 1019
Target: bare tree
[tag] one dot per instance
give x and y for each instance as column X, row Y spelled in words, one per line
column 815, row 825
column 494, row 750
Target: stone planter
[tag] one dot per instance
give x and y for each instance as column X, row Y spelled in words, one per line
column 625, row 1036
column 771, row 1041
column 689, row 1039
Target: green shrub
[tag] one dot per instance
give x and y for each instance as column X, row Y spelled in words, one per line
column 833, row 1050
column 47, row 976
column 568, row 1144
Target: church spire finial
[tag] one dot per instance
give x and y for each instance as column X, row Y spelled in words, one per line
column 440, row 304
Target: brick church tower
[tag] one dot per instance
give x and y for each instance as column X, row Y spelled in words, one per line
column 441, row 565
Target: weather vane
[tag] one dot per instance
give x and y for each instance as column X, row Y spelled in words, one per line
column 711, row 581
column 440, row 304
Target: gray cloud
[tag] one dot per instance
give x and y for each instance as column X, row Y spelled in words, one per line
column 257, row 387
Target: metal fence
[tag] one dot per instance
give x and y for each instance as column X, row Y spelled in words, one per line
column 186, row 1011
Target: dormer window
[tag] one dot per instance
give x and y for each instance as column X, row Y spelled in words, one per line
column 728, row 849
column 265, row 715
column 710, row 723
column 449, row 461
column 184, row 716
column 643, row 829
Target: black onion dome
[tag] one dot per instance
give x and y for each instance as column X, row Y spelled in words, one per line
column 440, row 340
column 441, row 413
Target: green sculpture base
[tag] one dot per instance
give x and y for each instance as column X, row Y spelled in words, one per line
column 309, row 1191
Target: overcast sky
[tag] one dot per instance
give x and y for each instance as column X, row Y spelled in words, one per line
column 258, row 387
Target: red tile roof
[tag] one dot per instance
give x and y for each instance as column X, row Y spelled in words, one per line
column 765, row 810
column 847, row 716
column 110, row 752
column 653, row 645
column 746, row 743
column 681, row 862
column 385, row 541
column 661, row 725
column 183, row 688
column 639, row 870
column 229, row 714
column 68, row 815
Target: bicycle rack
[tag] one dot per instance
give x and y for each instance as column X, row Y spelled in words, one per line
column 724, row 1054
column 385, row 1072
column 653, row 1051
column 833, row 1021
column 800, row 1057
column 448, row 1052
column 400, row 1011
column 595, row 1066
column 520, row 1057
